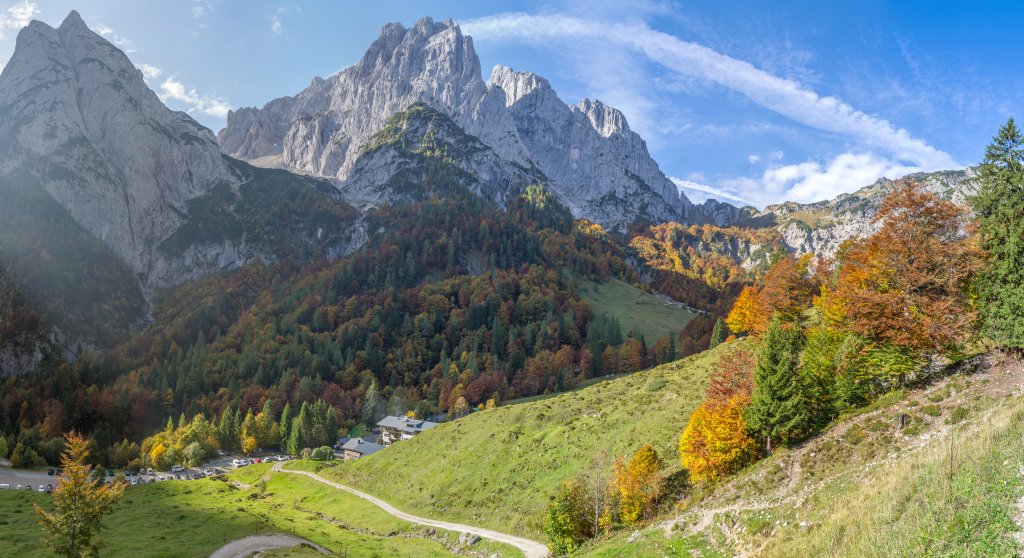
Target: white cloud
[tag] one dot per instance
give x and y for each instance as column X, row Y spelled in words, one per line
column 783, row 96
column 698, row 192
column 754, row 159
column 149, row 71
column 276, row 26
column 200, row 8
column 809, row 181
column 120, row 41
column 812, row 181
column 17, row 16
column 173, row 89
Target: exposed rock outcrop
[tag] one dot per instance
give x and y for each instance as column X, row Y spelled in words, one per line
column 77, row 115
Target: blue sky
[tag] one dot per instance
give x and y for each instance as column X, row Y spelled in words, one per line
column 754, row 101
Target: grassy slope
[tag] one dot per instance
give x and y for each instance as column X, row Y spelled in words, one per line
column 180, row 519
column 864, row 488
column 498, row 468
column 636, row 310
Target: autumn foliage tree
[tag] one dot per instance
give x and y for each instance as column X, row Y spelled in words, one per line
column 79, row 504
column 786, row 291
column 908, row 284
column 637, row 485
column 715, row 442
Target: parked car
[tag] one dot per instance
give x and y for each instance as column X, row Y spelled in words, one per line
column 110, row 472
column 49, row 488
column 177, row 469
column 42, row 488
column 28, row 487
column 49, row 472
column 5, row 486
column 149, row 471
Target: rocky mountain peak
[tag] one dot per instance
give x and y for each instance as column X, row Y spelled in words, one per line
column 322, row 129
column 77, row 117
column 518, row 85
column 590, row 157
column 606, row 120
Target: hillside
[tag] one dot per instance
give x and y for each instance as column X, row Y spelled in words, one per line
column 646, row 314
column 947, row 484
column 498, row 468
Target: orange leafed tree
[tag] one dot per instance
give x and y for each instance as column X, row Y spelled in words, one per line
column 733, row 376
column 786, row 291
column 908, row 284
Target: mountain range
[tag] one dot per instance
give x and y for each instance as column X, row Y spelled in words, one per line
column 112, row 198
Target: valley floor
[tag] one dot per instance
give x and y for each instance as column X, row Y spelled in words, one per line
column 195, row 518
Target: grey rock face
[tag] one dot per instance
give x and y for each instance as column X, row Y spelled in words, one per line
column 596, row 164
column 322, row 129
column 77, row 114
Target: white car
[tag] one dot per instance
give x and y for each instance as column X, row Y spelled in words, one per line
column 177, row 469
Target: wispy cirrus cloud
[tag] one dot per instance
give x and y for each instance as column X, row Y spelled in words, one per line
column 699, row 192
column 875, row 147
column 783, row 96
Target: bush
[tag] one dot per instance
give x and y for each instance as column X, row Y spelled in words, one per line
column 569, row 520
column 322, row 453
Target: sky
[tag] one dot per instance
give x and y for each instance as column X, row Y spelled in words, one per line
column 747, row 102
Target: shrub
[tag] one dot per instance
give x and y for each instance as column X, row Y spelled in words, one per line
column 569, row 520
column 322, row 453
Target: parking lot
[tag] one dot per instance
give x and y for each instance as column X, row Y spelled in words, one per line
column 14, row 478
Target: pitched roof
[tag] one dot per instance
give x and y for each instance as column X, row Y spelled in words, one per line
column 360, row 446
column 406, row 424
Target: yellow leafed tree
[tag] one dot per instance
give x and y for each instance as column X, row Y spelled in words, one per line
column 79, row 504
column 715, row 441
column 638, row 485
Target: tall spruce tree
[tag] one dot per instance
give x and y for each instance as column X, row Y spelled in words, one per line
column 778, row 410
column 285, row 425
column 717, row 334
column 999, row 206
column 372, row 403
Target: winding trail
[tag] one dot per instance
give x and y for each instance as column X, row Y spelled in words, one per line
column 248, row 546
column 530, row 548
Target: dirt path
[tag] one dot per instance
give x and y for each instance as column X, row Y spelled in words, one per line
column 258, row 543
column 531, row 549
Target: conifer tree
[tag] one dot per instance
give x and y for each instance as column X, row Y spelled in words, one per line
column 999, row 206
column 717, row 335
column 778, row 408
column 371, row 404
column 285, row 425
